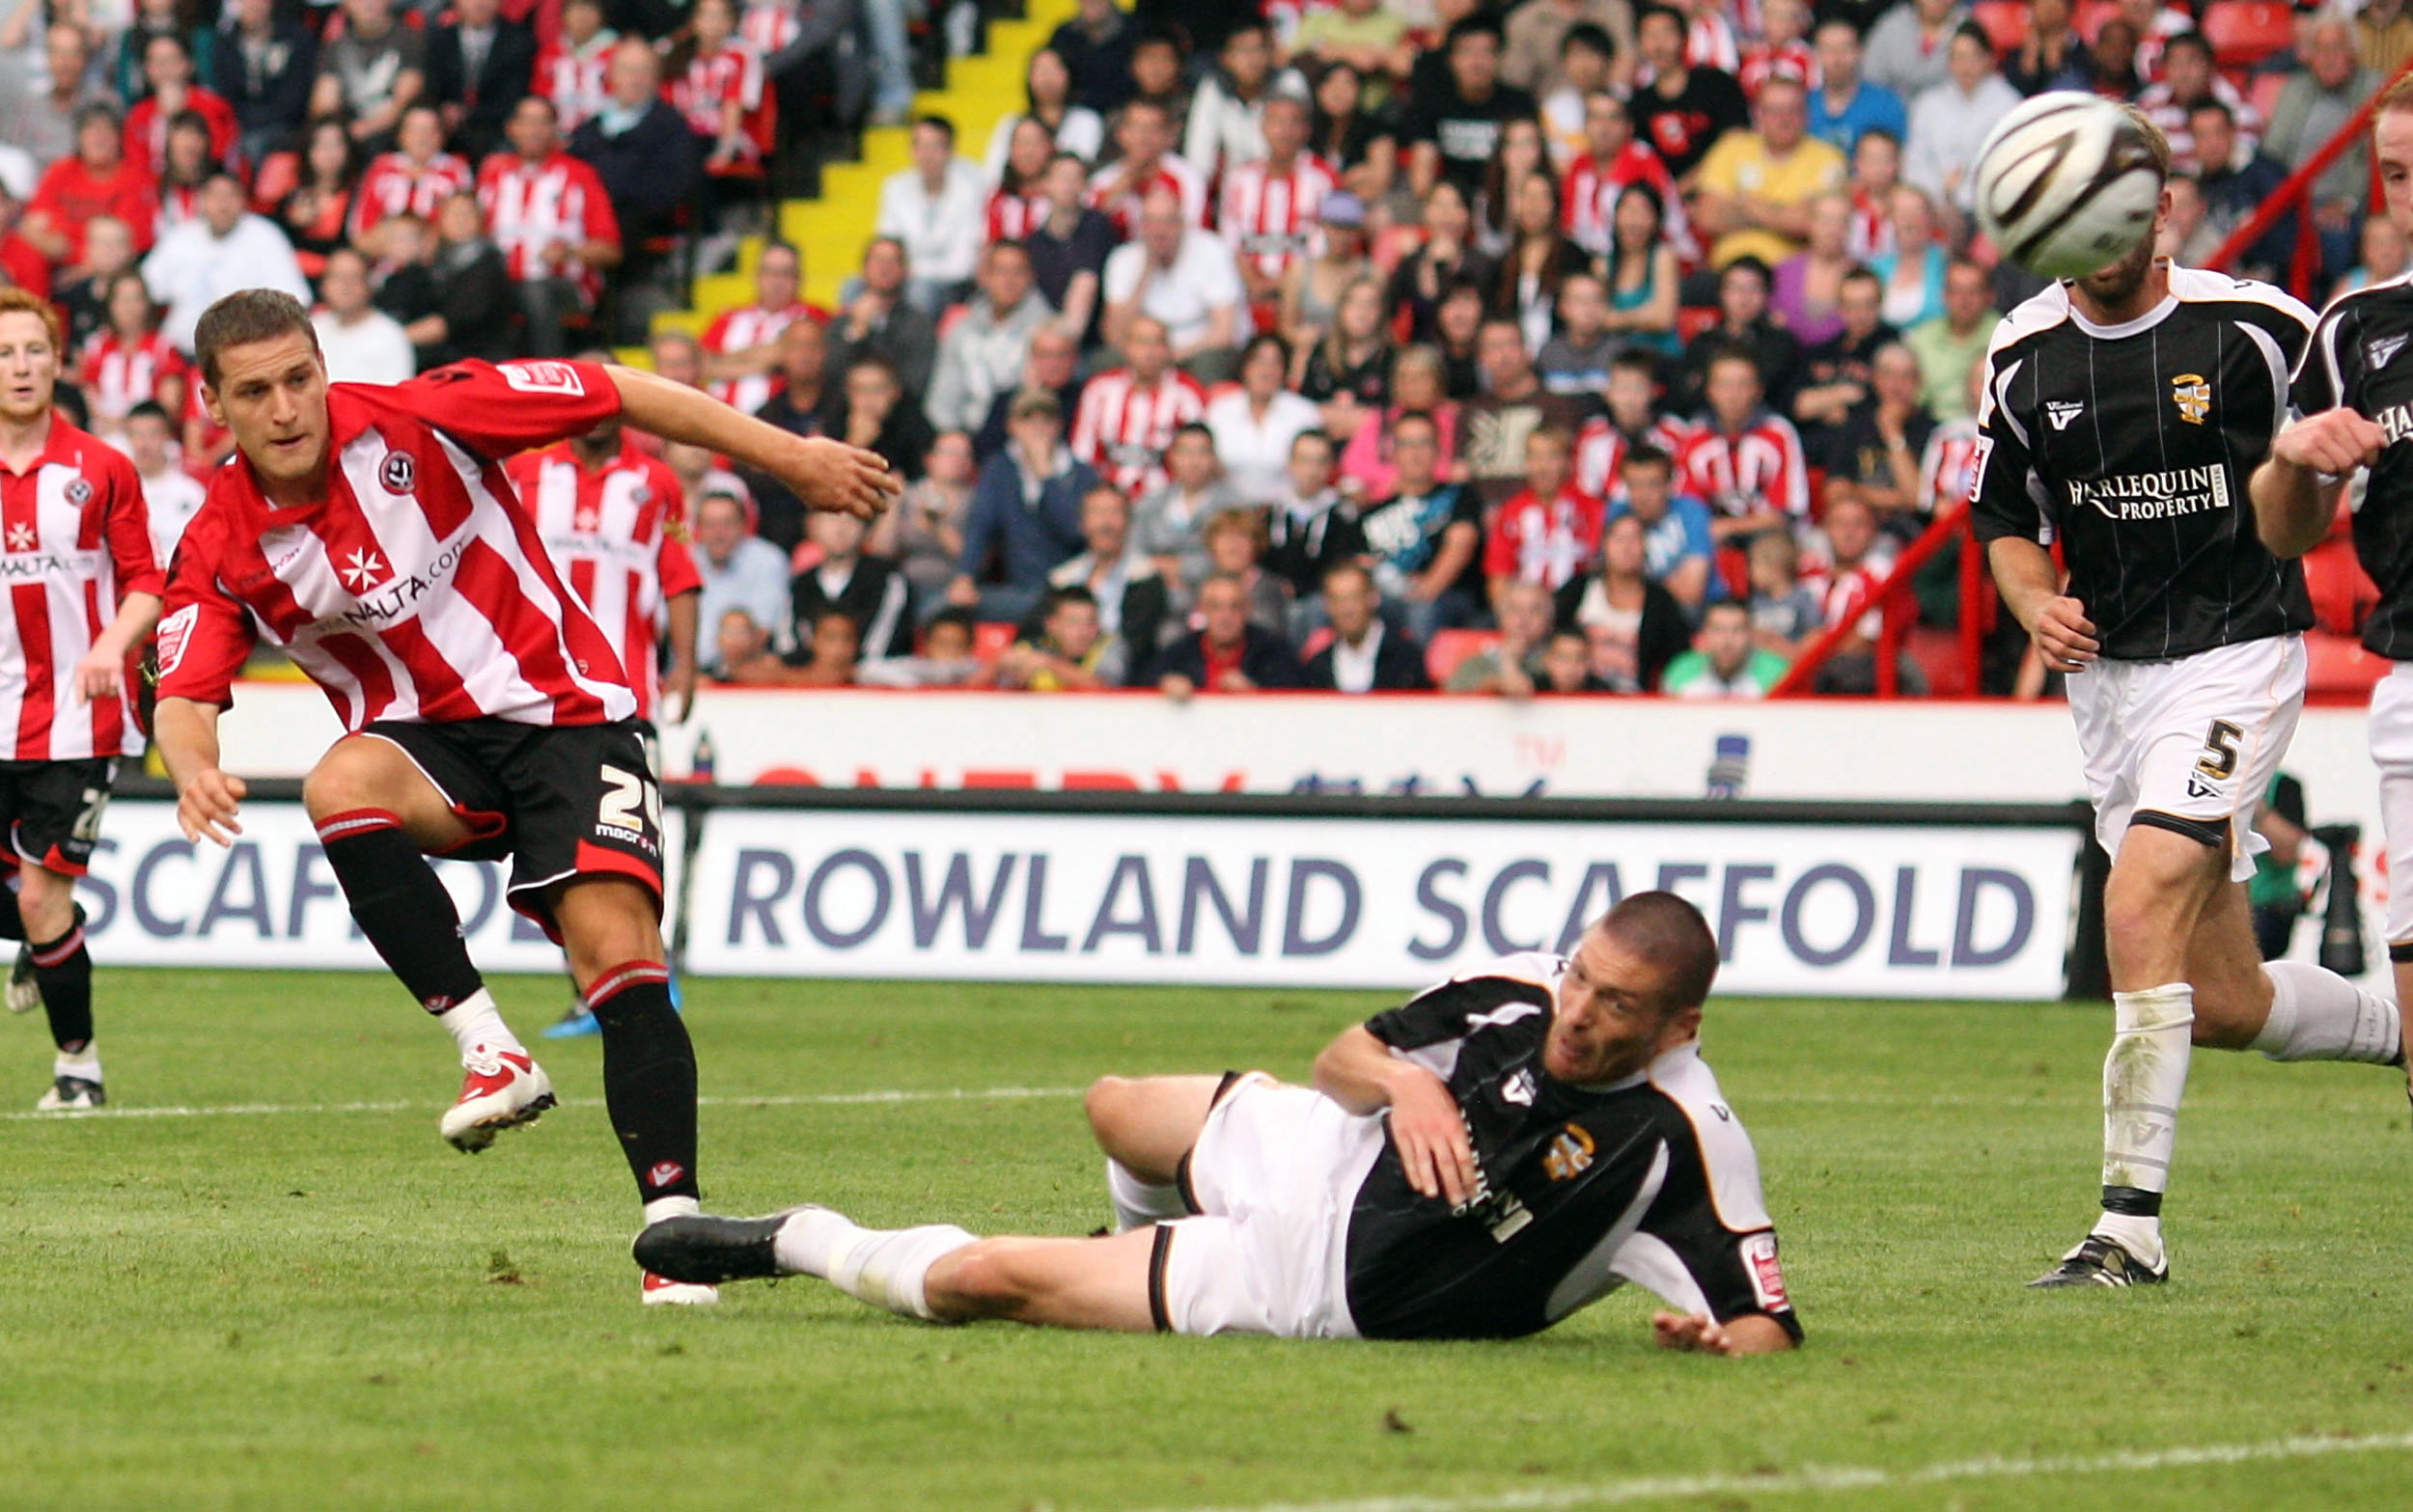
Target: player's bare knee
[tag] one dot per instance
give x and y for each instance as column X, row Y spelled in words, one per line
column 340, row 783
column 1107, row 1105
column 980, row 1281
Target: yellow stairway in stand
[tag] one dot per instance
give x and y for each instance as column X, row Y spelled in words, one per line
column 832, row 230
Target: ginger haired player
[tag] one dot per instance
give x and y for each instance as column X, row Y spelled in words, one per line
column 82, row 592
column 370, row 532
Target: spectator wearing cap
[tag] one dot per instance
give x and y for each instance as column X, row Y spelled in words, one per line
column 741, row 571
column 96, row 181
column 1132, row 595
column 1026, row 513
column 1182, row 276
column 1312, row 288
column 1227, row 653
column 937, row 210
column 1363, row 655
column 984, row 354
column 224, row 249
column 1949, row 120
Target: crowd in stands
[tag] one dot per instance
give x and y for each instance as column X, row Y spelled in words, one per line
column 1557, row 347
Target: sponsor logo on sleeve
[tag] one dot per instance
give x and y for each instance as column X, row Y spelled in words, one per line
column 2381, row 349
column 1767, row 1278
column 558, row 378
column 175, row 633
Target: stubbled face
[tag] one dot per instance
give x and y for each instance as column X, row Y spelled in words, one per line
column 29, row 366
column 1611, row 1019
column 273, row 395
column 2392, row 139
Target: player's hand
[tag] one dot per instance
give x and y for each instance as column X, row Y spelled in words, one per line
column 1694, row 1332
column 1431, row 1133
column 206, row 808
column 2064, row 637
column 2335, row 442
column 844, row 479
column 101, row 674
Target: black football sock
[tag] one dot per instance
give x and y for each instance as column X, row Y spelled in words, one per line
column 63, row 967
column 11, row 922
column 401, row 905
column 649, row 1077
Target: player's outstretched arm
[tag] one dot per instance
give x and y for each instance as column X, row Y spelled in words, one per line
column 2031, row 586
column 1752, row 1333
column 825, row 474
column 2295, row 489
column 1360, row 1073
column 207, row 799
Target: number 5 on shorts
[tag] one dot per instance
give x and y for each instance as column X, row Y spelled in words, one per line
column 2220, row 749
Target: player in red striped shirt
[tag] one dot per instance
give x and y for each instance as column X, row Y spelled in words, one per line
column 415, row 178
column 371, row 533
column 1128, row 415
column 82, row 592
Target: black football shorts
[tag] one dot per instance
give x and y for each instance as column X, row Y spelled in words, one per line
column 51, row 810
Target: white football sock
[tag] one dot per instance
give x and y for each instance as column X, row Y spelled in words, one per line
column 812, row 1240
column 83, row 1064
column 886, row 1267
column 2143, row 1079
column 2319, row 1015
column 474, row 1022
column 671, row 1207
column 1139, row 1203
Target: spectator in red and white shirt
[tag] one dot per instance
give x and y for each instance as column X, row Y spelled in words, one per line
column 130, row 361
column 1019, row 206
column 1745, row 462
column 1128, row 415
column 1144, row 140
column 97, row 180
column 415, row 178
column 1549, row 532
column 1876, row 173
column 719, row 89
column 85, row 592
column 1270, row 204
column 1615, row 158
column 611, row 518
column 573, row 69
column 168, row 69
column 549, row 214
column 1633, row 419
column 742, row 345
column 1782, row 52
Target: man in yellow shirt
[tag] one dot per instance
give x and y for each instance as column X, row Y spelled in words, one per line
column 1757, row 186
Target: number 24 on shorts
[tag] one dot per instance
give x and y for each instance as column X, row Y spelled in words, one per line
column 630, row 804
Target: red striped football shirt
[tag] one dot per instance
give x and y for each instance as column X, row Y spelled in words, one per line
column 1013, row 217
column 74, row 542
column 1271, row 216
column 1534, row 542
column 1737, row 475
column 120, row 374
column 1123, row 429
column 576, row 82
column 418, row 589
column 395, row 185
column 613, row 532
column 1600, row 450
column 528, row 207
column 742, row 329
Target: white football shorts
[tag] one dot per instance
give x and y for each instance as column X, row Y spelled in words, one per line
column 1273, row 1175
column 2391, row 727
column 2190, row 745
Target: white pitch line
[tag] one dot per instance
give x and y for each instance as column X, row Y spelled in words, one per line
column 1821, row 1478
column 958, row 1094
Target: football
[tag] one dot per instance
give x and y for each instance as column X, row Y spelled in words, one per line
column 2067, row 183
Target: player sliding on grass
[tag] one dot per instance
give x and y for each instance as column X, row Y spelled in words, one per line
column 75, row 552
column 2122, row 415
column 1477, row 1164
column 370, row 532
column 2355, row 401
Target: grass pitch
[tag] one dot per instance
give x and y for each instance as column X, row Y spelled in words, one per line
column 314, row 1304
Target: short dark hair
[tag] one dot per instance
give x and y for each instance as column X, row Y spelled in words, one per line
column 2193, row 41
column 1478, row 24
column 1589, row 35
column 244, row 317
column 1665, row 12
column 2213, row 104
column 1058, row 597
column 149, row 409
column 1975, row 34
column 1636, row 359
column 1670, row 932
column 939, row 124
column 961, row 617
column 1347, row 569
column 1645, row 455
